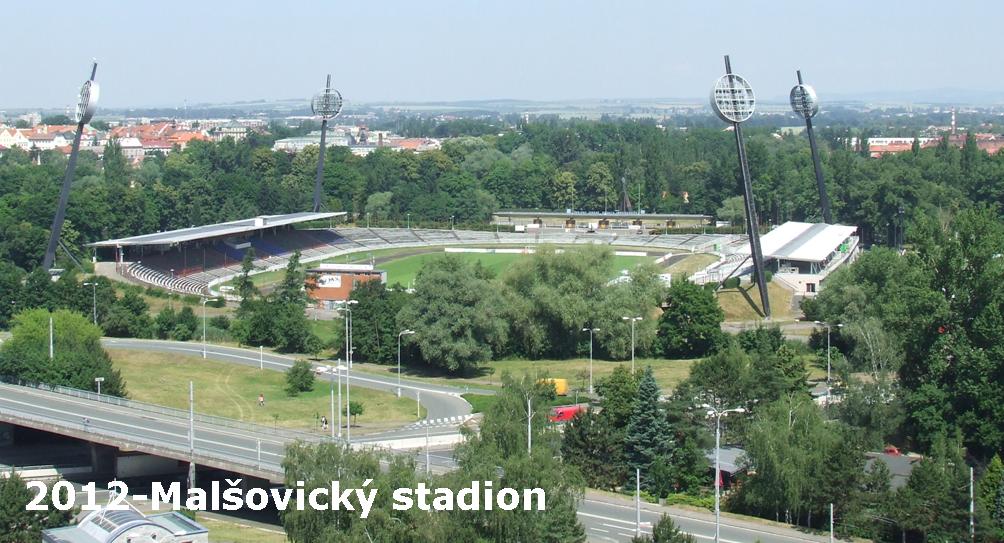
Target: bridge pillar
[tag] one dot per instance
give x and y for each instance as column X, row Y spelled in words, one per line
column 103, row 459
column 6, row 434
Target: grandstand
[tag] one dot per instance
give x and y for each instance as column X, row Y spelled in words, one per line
column 196, row 260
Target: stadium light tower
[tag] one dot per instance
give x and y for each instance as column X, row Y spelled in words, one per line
column 327, row 104
column 733, row 101
column 87, row 103
column 805, row 104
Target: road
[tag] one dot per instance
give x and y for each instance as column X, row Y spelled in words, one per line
column 609, row 518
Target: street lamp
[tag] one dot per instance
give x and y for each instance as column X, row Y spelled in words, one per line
column 409, row 221
column 401, row 333
column 94, row 300
column 99, row 380
column 204, row 302
column 348, row 366
column 718, row 414
column 331, row 384
column 828, row 327
column 633, row 320
column 590, row 330
column 451, row 222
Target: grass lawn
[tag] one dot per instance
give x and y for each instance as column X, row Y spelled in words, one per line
column 692, row 264
column 668, row 373
column 232, row 532
column 737, row 306
column 231, row 390
column 405, row 269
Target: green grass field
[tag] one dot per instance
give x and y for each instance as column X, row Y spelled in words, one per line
column 736, row 303
column 668, row 373
column 234, row 532
column 231, row 390
column 405, row 269
column 692, row 264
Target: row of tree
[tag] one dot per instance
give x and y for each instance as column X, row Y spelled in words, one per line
column 557, row 165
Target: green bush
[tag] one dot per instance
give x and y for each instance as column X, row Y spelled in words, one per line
column 299, row 378
column 220, row 321
column 731, row 282
column 767, row 276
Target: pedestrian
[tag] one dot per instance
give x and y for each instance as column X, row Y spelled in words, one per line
column 324, row 422
column 261, row 400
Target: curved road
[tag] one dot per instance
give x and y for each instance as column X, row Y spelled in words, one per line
column 440, row 402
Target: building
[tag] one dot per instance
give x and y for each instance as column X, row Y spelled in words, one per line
column 592, row 221
column 233, row 129
column 330, row 283
column 804, row 254
column 129, row 526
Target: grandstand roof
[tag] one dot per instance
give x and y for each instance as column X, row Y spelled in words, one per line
column 173, row 237
column 599, row 215
column 802, row 241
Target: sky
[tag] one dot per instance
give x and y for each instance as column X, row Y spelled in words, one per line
column 209, row 51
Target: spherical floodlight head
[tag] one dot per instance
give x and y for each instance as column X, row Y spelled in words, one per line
column 327, row 103
column 804, row 101
column 87, row 102
column 732, row 99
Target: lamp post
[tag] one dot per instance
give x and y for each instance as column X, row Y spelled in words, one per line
column 828, row 327
column 409, row 221
column 331, row 386
column 401, row 333
column 590, row 330
column 451, row 222
column 94, row 300
column 718, row 414
column 348, row 367
column 204, row 302
column 99, row 380
column 326, row 104
column 632, row 320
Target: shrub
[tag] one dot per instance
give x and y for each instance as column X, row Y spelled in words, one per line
column 299, row 378
column 220, row 321
column 731, row 282
column 767, row 276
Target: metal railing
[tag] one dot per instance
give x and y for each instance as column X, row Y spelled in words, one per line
column 252, row 428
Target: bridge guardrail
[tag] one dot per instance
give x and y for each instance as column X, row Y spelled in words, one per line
column 168, row 411
column 136, row 439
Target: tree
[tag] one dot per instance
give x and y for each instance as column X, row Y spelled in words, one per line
column 374, row 322
column 299, row 378
column 617, row 395
column 499, row 453
column 592, row 444
column 379, row 206
column 243, row 284
column 648, row 437
column 457, row 324
column 78, row 355
column 664, row 531
column 599, row 192
column 354, row 410
column 17, row 524
column 733, row 210
column 563, row 190
column 935, row 501
column 690, row 325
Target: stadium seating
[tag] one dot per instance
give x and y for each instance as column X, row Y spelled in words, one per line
column 197, row 268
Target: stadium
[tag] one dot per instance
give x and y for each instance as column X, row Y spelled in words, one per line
column 199, row 260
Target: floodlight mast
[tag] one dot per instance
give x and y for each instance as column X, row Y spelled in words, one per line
column 86, row 104
column 733, row 101
column 327, row 104
column 805, row 103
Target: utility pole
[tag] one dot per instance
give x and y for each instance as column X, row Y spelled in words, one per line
column 637, row 501
column 591, row 330
column 632, row 320
column 718, row 414
column 191, row 434
column 972, row 508
column 831, row 523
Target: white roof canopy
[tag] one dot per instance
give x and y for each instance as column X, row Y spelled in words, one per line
column 802, row 241
column 173, row 237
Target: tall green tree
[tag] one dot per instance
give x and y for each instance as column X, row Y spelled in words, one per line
column 690, row 325
column 648, row 435
column 77, row 353
column 17, row 524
